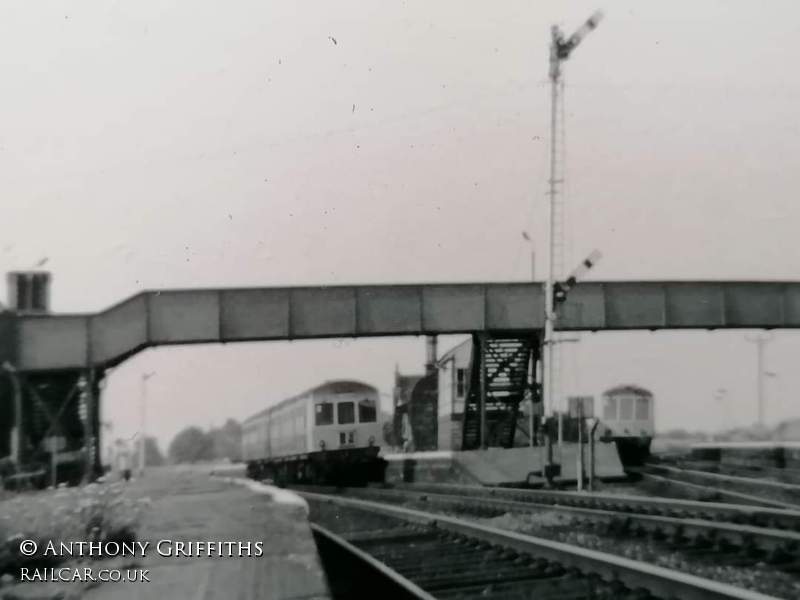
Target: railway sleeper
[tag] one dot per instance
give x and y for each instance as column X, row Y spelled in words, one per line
column 784, row 554
column 562, row 588
column 490, row 579
column 678, row 537
column 447, row 575
column 395, row 534
column 511, row 575
column 414, row 555
column 702, row 542
column 619, row 526
column 697, row 543
column 429, row 564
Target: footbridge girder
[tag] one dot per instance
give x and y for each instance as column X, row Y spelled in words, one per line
column 45, row 355
column 68, row 341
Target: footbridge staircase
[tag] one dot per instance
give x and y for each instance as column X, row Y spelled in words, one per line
column 502, row 373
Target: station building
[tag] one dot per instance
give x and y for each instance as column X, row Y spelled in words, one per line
column 453, row 385
column 415, row 406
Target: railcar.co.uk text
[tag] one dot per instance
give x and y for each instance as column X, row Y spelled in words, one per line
column 83, row 575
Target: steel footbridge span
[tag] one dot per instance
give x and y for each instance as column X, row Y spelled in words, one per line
column 153, row 318
column 506, row 321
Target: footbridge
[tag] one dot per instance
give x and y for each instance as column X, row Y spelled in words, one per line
column 51, row 359
column 154, row 318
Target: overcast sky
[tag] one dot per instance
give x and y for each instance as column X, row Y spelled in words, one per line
column 188, row 143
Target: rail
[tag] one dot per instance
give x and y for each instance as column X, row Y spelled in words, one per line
column 658, row 581
column 780, row 543
column 784, row 515
column 401, row 587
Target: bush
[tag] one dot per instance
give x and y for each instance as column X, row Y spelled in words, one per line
column 93, row 513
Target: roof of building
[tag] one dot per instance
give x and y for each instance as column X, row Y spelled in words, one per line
column 628, row 389
column 453, row 351
column 427, row 384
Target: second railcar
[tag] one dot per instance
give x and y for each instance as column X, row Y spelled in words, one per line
column 628, row 419
column 328, row 434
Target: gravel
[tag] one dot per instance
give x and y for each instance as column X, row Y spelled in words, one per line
column 559, row 527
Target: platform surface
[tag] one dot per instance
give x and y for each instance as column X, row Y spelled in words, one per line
column 498, row 466
column 190, row 505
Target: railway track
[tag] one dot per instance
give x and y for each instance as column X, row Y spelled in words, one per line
column 778, row 474
column 723, row 542
column 351, row 571
column 447, row 557
column 704, row 491
column 752, row 490
column 742, row 514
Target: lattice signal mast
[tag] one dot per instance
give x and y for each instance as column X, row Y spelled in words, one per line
column 560, row 50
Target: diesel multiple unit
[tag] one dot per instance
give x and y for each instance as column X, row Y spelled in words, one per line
column 328, row 434
column 628, row 419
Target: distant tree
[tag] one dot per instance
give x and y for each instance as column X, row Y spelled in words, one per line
column 152, row 453
column 677, row 434
column 227, row 441
column 191, row 445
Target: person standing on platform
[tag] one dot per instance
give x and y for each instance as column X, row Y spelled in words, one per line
column 123, row 460
column 407, row 434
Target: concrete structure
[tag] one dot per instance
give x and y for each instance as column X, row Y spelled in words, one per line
column 496, row 466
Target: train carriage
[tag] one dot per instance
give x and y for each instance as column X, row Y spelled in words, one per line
column 627, row 418
column 328, row 434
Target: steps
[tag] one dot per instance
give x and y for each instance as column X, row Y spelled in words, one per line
column 504, row 364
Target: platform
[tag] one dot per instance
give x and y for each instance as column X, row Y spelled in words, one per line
column 497, row 466
column 190, row 505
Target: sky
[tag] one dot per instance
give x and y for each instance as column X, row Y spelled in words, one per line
column 170, row 144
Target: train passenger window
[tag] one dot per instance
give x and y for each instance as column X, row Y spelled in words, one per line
column 642, row 409
column 610, row 409
column 367, row 412
column 347, row 413
column 342, row 438
column 461, row 382
column 351, row 438
column 324, row 413
column 626, row 409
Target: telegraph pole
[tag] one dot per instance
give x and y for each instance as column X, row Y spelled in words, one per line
column 143, row 421
column 533, row 360
column 18, row 446
column 760, row 340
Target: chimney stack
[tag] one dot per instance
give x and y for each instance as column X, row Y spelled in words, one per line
column 29, row 291
column 430, row 354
